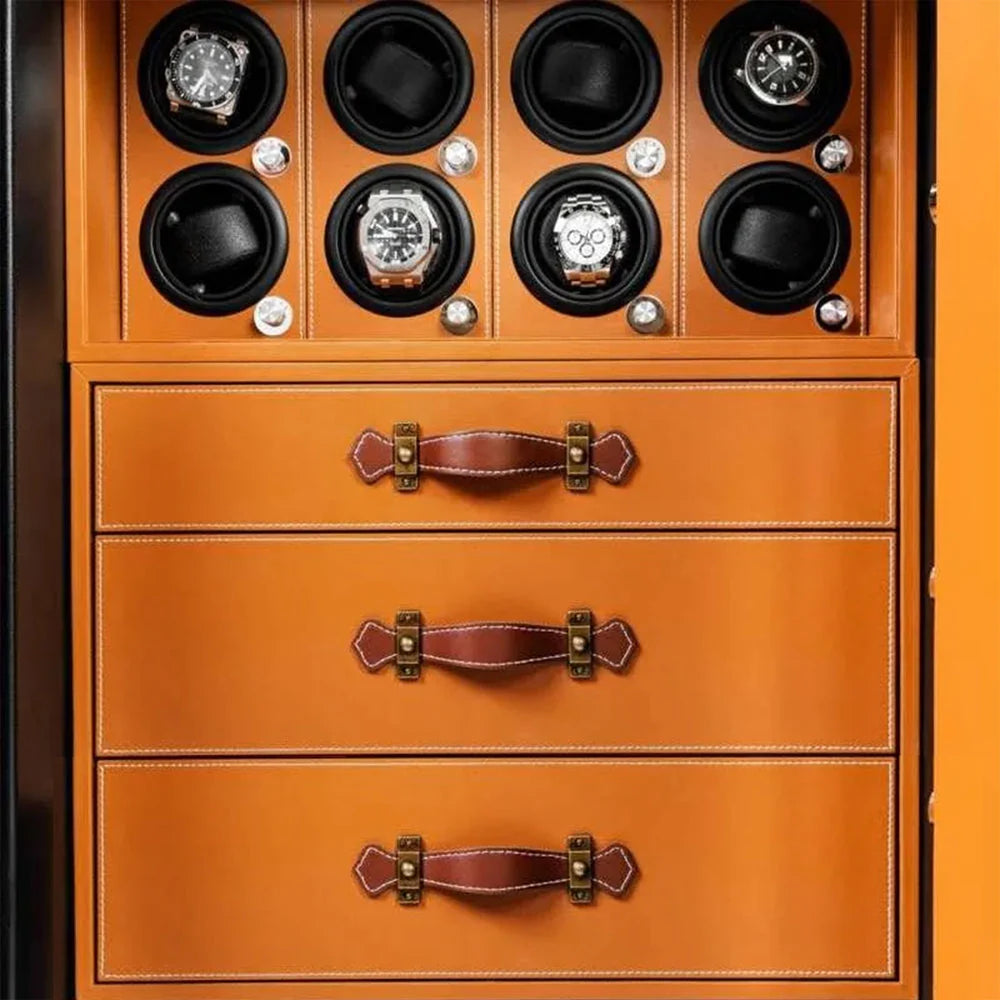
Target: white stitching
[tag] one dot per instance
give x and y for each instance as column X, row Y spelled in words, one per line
column 626, row 878
column 372, row 849
column 372, row 665
column 620, row 626
column 629, row 455
column 125, row 80
column 481, row 890
column 370, row 477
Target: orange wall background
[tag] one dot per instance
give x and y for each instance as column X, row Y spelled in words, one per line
column 967, row 655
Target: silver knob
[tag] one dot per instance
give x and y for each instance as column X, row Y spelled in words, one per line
column 458, row 156
column 646, row 314
column 407, row 869
column 459, row 315
column 833, row 153
column 834, row 313
column 272, row 316
column 646, row 157
column 407, row 644
column 579, row 869
column 271, row 156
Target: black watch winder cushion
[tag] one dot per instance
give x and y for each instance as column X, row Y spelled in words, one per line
column 214, row 239
column 398, row 77
column 586, row 76
column 259, row 88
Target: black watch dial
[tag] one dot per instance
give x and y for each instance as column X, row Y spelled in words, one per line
column 781, row 67
column 205, row 70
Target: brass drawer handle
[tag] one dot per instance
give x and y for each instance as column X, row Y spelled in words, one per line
column 496, row 871
column 496, row 646
column 493, row 454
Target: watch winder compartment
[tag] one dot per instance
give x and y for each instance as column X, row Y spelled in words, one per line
column 389, row 83
column 760, row 267
column 578, row 82
column 194, row 269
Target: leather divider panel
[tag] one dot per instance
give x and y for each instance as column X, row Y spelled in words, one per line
column 726, row 455
column 747, row 643
column 148, row 159
column 770, row 869
column 708, row 157
column 336, row 159
column 522, row 159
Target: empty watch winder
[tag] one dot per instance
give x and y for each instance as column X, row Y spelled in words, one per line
column 586, row 76
column 214, row 239
column 399, row 240
column 398, row 76
column 212, row 76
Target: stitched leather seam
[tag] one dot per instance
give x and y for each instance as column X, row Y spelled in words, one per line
column 358, row 868
column 123, row 128
column 614, row 477
column 375, row 664
column 451, row 974
column 481, row 890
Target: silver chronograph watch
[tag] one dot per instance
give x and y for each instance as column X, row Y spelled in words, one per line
column 781, row 67
column 205, row 72
column 399, row 237
column 589, row 238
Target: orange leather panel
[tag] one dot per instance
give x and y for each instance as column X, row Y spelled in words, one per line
column 746, row 643
column 808, row 454
column 148, row 159
column 708, row 157
column 522, row 158
column 335, row 159
column 766, row 870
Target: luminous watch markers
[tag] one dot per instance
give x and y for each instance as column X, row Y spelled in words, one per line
column 781, row 67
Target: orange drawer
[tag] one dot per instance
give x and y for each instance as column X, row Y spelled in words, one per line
column 744, row 454
column 768, row 869
column 241, row 644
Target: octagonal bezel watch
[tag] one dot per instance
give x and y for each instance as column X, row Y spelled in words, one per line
column 182, row 101
column 405, row 262
column 589, row 222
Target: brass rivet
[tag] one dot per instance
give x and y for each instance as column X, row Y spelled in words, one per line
column 579, row 643
column 407, row 869
column 579, row 869
column 576, row 454
column 407, row 644
column 404, row 454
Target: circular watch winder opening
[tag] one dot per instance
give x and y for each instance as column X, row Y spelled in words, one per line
column 774, row 74
column 774, row 237
column 399, row 240
column 398, row 77
column 212, row 76
column 585, row 240
column 586, row 76
column 214, row 239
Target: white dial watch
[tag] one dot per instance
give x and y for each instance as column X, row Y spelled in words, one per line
column 589, row 237
column 205, row 72
column 399, row 236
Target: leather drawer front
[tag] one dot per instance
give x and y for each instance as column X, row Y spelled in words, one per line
column 727, row 455
column 747, row 643
column 770, row 869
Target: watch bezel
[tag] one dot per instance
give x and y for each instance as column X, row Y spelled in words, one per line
column 238, row 49
column 749, row 78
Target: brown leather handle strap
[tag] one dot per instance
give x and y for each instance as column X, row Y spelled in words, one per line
column 498, row 871
column 495, row 646
column 492, row 454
